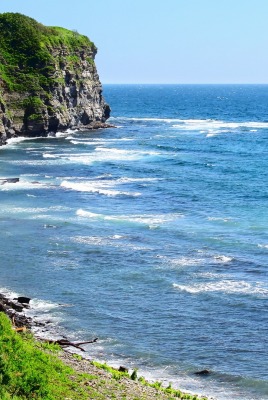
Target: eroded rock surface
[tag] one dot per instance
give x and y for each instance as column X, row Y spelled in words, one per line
column 51, row 85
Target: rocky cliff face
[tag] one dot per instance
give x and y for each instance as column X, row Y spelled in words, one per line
column 48, row 84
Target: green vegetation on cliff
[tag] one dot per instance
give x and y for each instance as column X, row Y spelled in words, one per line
column 30, row 369
column 48, row 79
column 26, row 59
column 28, row 372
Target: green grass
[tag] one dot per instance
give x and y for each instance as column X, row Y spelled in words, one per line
column 28, row 372
column 114, row 372
column 32, row 64
column 30, row 369
column 26, row 52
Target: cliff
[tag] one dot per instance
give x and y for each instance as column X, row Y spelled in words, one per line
column 48, row 80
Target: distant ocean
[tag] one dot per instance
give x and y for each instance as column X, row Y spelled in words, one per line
column 151, row 236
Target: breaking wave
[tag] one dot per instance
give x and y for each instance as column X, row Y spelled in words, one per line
column 224, row 286
column 97, row 188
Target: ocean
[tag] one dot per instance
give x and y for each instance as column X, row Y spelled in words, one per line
column 151, row 236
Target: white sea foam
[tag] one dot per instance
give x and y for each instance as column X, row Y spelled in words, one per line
column 43, row 312
column 64, row 134
column 125, row 153
column 130, row 180
column 168, row 120
column 116, row 237
column 103, row 188
column 34, row 163
column 263, row 246
column 225, row 286
column 37, row 307
column 103, row 182
column 46, row 226
column 212, row 124
column 63, row 157
column 221, row 219
column 97, row 141
column 200, row 122
column 33, row 210
column 185, row 261
column 27, row 175
column 42, row 305
column 151, row 221
column 10, row 294
column 82, row 142
column 223, row 259
column 210, row 134
column 88, row 214
column 211, row 275
column 19, row 139
column 202, row 258
column 112, row 218
column 48, row 155
column 21, row 185
column 112, row 241
column 214, row 127
column 91, row 240
column 102, row 154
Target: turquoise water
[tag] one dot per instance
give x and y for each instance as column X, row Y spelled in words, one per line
column 151, row 236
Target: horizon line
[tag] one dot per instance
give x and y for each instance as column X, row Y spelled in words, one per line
column 176, row 83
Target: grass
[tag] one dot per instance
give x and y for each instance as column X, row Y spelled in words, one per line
column 28, row 372
column 26, row 52
column 32, row 65
column 30, row 369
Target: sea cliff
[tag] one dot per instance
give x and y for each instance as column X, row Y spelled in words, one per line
column 48, row 80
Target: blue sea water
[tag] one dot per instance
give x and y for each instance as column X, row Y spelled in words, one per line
column 151, row 236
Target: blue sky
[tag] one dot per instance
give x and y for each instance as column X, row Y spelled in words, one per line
column 167, row 41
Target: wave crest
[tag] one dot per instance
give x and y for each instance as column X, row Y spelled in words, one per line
column 97, row 187
column 224, row 286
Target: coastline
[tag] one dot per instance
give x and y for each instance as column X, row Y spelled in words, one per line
column 205, row 273
column 131, row 387
column 97, row 125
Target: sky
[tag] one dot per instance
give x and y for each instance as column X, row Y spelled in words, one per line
column 165, row 41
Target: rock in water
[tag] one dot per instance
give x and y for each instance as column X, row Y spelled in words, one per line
column 203, row 372
column 9, row 180
column 48, row 80
column 24, row 300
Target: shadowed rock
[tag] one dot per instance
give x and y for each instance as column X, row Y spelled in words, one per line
column 202, row 372
column 122, row 369
column 9, row 180
column 22, row 299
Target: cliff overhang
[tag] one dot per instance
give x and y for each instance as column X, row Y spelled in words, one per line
column 48, row 80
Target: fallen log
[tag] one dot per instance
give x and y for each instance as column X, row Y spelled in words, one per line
column 88, row 341
column 67, row 343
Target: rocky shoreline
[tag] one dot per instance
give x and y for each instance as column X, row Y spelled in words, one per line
column 105, row 378
column 90, row 127
column 14, row 308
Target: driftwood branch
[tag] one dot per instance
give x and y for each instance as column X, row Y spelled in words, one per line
column 67, row 343
column 89, row 341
